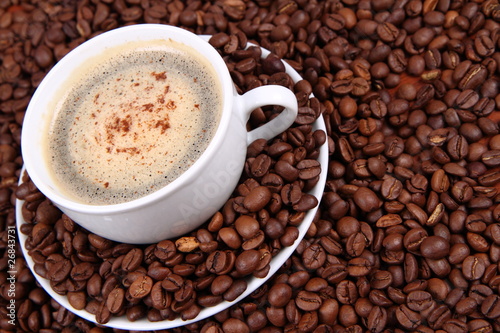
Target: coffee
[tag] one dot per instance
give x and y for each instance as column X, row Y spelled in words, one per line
column 133, row 122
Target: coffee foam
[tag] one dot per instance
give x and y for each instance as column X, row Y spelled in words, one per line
column 134, row 123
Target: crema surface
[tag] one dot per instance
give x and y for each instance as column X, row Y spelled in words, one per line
column 133, row 123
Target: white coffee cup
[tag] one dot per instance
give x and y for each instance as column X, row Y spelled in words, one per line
column 194, row 196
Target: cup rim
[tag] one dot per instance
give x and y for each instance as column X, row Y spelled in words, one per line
column 51, row 84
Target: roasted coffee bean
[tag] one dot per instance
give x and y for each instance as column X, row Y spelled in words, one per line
column 308, row 301
column 366, row 199
column 434, row 247
column 439, row 316
column 377, row 319
column 416, row 65
column 346, row 292
column 279, row 295
column 413, row 239
column 217, row 262
column 235, row 290
column 466, row 306
column 246, row 226
column 59, row 270
column 419, row 300
column 391, row 188
column 473, row 77
column 314, row 256
column 458, row 252
column 77, row 299
column 165, row 250
column 82, row 271
column 234, row 325
column 141, row 287
column 387, row 32
column 257, row 199
column 132, row 260
column 116, row 300
column 473, row 268
column 347, row 107
column 221, row 284
column 397, row 61
column 491, row 306
column 160, row 299
column 381, row 279
column 407, row 318
column 479, row 325
column 230, row 237
column 359, row 267
column 479, row 292
column 491, row 158
column 247, row 262
column 475, row 223
column 455, row 325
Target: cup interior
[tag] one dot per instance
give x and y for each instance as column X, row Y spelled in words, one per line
column 38, row 114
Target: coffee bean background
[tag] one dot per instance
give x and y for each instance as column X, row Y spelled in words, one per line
column 407, row 238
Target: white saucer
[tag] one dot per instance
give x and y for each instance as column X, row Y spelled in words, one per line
column 252, row 283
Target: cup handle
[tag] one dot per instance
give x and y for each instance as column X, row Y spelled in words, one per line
column 268, row 95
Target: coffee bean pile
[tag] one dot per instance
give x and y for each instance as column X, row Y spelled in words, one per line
column 407, row 238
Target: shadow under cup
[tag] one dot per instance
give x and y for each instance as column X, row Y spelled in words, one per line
column 193, row 197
